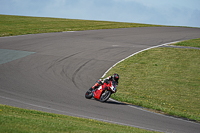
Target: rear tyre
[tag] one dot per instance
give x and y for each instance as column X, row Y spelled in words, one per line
column 105, row 96
column 88, row 94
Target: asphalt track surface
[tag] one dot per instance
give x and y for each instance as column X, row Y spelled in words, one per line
column 52, row 71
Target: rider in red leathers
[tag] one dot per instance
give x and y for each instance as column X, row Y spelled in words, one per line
column 107, row 80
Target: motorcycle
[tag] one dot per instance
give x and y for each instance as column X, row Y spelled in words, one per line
column 103, row 92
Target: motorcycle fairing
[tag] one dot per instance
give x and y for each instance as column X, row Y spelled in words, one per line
column 98, row 92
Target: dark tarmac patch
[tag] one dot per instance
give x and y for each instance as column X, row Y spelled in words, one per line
column 7, row 55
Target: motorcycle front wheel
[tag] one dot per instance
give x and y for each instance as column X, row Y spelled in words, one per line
column 105, row 96
column 88, row 94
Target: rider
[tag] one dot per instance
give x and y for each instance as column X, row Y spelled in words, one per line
column 115, row 77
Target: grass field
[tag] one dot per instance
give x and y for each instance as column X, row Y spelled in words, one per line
column 163, row 79
column 20, row 25
column 21, row 121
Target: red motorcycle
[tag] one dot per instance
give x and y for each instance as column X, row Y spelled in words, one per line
column 103, row 92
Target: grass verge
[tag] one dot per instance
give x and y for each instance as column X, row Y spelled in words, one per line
column 163, row 79
column 190, row 43
column 21, row 120
column 20, row 25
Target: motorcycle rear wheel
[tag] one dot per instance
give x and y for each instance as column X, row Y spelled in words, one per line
column 88, row 94
column 105, row 96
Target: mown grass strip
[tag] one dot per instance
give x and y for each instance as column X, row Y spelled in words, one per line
column 163, row 79
column 20, row 25
column 21, row 120
column 190, row 43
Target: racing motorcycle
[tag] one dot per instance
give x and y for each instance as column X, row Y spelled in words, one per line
column 103, row 92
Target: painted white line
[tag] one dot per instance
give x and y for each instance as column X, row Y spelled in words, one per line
column 115, row 45
column 68, row 31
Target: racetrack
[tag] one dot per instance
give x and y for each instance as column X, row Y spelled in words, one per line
column 52, row 71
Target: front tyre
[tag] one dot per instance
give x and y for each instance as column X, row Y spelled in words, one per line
column 88, row 94
column 105, row 96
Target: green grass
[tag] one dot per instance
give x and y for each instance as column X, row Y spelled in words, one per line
column 21, row 120
column 191, row 43
column 163, row 79
column 20, row 25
